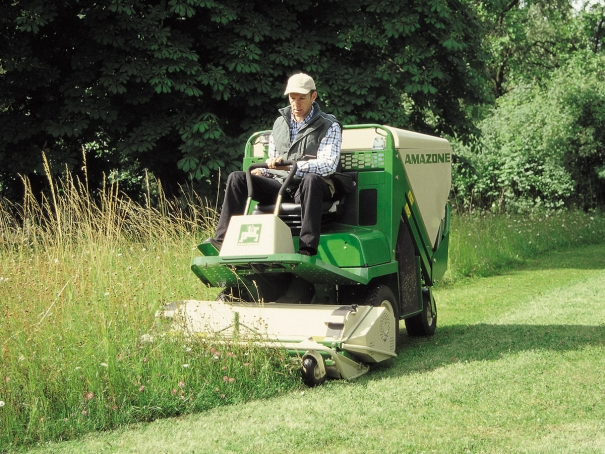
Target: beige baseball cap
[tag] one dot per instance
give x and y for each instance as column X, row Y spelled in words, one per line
column 300, row 83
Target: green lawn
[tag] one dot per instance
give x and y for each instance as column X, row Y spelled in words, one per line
column 516, row 366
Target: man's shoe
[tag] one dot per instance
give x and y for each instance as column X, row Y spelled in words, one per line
column 307, row 251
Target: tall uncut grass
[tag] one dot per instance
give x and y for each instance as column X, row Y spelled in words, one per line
column 80, row 349
column 483, row 244
column 81, row 278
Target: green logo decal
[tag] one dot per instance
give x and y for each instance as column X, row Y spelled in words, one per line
column 249, row 234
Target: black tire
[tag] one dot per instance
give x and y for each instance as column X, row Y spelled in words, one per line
column 382, row 295
column 311, row 376
column 425, row 323
column 233, row 295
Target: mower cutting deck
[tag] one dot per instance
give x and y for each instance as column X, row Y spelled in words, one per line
column 339, row 311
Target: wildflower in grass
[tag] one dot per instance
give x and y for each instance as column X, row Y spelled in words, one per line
column 2, row 404
column 173, row 392
column 89, row 395
column 224, row 368
column 142, row 388
column 84, row 412
column 181, row 384
column 185, row 366
column 103, row 365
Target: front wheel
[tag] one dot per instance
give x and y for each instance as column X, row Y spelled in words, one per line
column 425, row 323
column 382, row 296
column 311, row 373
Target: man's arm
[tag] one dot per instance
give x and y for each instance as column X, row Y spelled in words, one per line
column 328, row 154
column 272, row 161
column 326, row 162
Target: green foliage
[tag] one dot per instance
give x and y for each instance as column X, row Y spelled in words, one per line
column 177, row 86
column 541, row 146
column 81, row 278
column 525, row 40
column 425, row 56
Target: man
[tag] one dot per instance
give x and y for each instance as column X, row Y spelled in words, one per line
column 302, row 133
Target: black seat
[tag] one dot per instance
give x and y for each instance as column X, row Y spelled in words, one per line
column 289, row 212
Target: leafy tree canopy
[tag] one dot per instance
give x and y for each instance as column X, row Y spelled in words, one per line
column 541, row 146
column 527, row 40
column 175, row 86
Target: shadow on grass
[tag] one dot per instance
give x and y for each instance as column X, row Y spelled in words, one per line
column 483, row 342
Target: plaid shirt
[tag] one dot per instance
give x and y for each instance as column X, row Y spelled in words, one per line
column 328, row 154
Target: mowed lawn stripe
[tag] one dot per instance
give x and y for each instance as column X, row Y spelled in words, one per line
column 516, row 366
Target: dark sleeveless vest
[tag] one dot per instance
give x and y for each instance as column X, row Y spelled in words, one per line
column 307, row 140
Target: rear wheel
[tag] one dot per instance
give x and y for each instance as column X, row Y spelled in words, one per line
column 382, row 296
column 311, row 373
column 425, row 323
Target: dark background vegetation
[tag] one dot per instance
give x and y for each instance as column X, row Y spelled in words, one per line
column 138, row 91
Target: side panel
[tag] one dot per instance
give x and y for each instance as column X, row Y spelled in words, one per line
column 429, row 173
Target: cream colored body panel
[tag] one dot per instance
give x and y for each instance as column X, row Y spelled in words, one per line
column 257, row 235
column 366, row 332
column 427, row 161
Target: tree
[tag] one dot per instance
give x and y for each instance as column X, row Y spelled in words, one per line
column 176, row 86
column 526, row 40
column 542, row 146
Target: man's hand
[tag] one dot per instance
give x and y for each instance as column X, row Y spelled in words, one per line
column 274, row 163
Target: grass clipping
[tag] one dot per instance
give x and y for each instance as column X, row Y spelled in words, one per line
column 81, row 278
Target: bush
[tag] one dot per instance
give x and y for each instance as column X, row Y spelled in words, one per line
column 541, row 146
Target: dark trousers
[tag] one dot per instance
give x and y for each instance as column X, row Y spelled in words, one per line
column 312, row 191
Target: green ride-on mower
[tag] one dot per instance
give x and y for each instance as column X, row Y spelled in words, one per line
column 384, row 243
